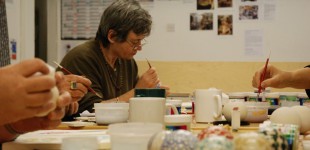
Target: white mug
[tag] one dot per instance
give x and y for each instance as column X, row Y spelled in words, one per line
column 148, row 109
column 208, row 105
column 176, row 103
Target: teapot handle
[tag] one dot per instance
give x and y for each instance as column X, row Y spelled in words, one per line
column 218, row 100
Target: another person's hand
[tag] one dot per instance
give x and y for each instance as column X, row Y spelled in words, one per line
column 149, row 79
column 274, row 77
column 167, row 88
column 53, row 119
column 72, row 108
column 23, row 95
column 81, row 86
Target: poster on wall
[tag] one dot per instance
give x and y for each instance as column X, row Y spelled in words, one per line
column 80, row 19
column 201, row 21
column 225, row 24
column 205, row 4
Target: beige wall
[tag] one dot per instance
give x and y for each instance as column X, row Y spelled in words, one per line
column 228, row 76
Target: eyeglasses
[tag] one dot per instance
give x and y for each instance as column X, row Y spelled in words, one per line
column 138, row 44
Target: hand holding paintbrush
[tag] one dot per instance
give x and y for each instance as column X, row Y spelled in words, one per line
column 262, row 78
column 150, row 66
column 68, row 72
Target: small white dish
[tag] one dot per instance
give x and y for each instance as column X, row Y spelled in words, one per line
column 88, row 119
column 111, row 115
column 78, row 124
column 87, row 114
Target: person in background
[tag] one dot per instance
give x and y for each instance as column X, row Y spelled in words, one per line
column 108, row 59
column 277, row 78
column 23, row 97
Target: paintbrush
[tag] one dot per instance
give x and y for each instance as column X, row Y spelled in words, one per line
column 68, row 72
column 150, row 66
column 262, row 77
column 149, row 63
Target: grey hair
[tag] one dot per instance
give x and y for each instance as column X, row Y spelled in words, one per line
column 123, row 16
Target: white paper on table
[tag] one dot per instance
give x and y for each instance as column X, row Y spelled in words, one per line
column 253, row 42
column 56, row 136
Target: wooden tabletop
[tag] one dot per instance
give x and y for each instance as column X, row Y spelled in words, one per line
column 195, row 128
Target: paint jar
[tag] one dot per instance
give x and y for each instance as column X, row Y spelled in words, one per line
column 272, row 98
column 303, row 99
column 289, row 99
column 177, row 122
column 253, row 97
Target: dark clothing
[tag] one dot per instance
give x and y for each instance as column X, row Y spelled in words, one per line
column 87, row 59
column 4, row 36
column 308, row 90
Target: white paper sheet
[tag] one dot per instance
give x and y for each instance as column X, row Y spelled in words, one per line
column 253, row 42
column 269, row 13
column 56, row 136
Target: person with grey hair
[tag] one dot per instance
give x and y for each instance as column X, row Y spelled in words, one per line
column 108, row 59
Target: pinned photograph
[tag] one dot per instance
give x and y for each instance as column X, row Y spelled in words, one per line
column 201, row 21
column 225, row 24
column 248, row 12
column 146, row 0
column 225, row 3
column 205, row 4
column 248, row 0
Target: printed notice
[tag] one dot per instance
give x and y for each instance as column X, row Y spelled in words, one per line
column 253, row 42
column 269, row 10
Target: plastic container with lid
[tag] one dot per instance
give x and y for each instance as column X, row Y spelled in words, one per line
column 132, row 136
column 177, row 122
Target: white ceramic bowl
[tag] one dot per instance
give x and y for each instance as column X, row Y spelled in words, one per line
column 109, row 115
column 257, row 112
column 228, row 107
column 109, row 105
